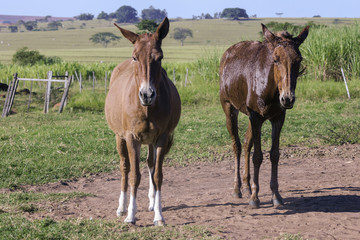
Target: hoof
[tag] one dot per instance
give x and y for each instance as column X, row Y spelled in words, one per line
column 119, row 213
column 130, row 221
column 237, row 194
column 277, row 202
column 246, row 192
column 159, row 223
column 254, row 204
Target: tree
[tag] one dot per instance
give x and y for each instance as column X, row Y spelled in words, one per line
column 13, row 28
column 208, row 16
column 125, row 14
column 103, row 15
column 24, row 56
column 234, row 13
column 181, row 34
column 30, row 25
column 85, row 17
column 104, row 38
column 54, row 25
column 147, row 25
column 153, row 14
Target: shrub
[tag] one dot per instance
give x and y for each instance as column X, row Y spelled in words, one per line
column 25, row 56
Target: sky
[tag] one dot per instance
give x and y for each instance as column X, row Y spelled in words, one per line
column 184, row 8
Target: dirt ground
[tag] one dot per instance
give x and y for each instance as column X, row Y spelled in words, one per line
column 320, row 187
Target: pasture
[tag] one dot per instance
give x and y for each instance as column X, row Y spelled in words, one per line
column 57, row 168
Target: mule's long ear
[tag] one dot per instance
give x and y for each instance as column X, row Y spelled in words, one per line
column 302, row 36
column 162, row 29
column 132, row 37
column 269, row 36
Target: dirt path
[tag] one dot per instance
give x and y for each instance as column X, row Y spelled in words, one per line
column 321, row 189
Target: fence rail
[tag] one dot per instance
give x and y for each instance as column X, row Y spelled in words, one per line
column 10, row 95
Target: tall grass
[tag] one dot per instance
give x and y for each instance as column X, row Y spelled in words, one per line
column 327, row 49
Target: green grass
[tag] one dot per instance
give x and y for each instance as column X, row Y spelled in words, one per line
column 17, row 227
column 74, row 44
column 37, row 148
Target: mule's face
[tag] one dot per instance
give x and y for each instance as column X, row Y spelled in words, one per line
column 286, row 59
column 146, row 61
column 147, row 56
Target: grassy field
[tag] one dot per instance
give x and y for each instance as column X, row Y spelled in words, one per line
column 72, row 43
column 37, row 148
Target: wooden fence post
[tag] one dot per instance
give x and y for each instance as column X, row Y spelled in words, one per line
column 80, row 82
column 347, row 89
column 10, row 96
column 66, row 92
column 174, row 78
column 29, row 101
column 47, row 93
column 94, row 78
column 105, row 81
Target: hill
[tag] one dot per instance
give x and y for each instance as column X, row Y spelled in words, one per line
column 15, row 18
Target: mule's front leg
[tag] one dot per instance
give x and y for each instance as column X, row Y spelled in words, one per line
column 133, row 147
column 124, row 168
column 151, row 162
column 256, row 123
column 274, row 157
column 161, row 149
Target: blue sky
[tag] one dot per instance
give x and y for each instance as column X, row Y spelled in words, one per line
column 184, row 8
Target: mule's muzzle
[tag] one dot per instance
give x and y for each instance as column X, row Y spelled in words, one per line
column 147, row 96
column 287, row 101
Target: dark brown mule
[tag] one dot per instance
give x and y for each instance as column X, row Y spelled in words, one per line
column 142, row 107
column 259, row 80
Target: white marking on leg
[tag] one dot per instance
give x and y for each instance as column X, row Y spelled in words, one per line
column 122, row 204
column 158, row 208
column 151, row 194
column 131, row 210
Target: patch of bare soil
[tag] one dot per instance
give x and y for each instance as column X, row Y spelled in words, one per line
column 320, row 187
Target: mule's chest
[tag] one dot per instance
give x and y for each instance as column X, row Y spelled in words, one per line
column 144, row 130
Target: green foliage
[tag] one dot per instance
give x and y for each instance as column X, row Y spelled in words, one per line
column 153, row 14
column 24, row 56
column 104, row 38
column 88, row 101
column 103, row 15
column 328, row 49
column 339, row 133
column 13, row 28
column 234, row 13
column 54, row 25
column 125, row 14
column 181, row 34
column 30, row 25
column 85, row 16
column 147, row 25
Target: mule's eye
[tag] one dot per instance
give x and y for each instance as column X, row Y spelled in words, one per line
column 134, row 59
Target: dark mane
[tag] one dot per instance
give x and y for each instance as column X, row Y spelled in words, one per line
column 284, row 35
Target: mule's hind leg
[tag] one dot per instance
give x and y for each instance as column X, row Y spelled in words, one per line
column 277, row 124
column 151, row 162
column 232, row 126
column 124, row 168
column 248, row 143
